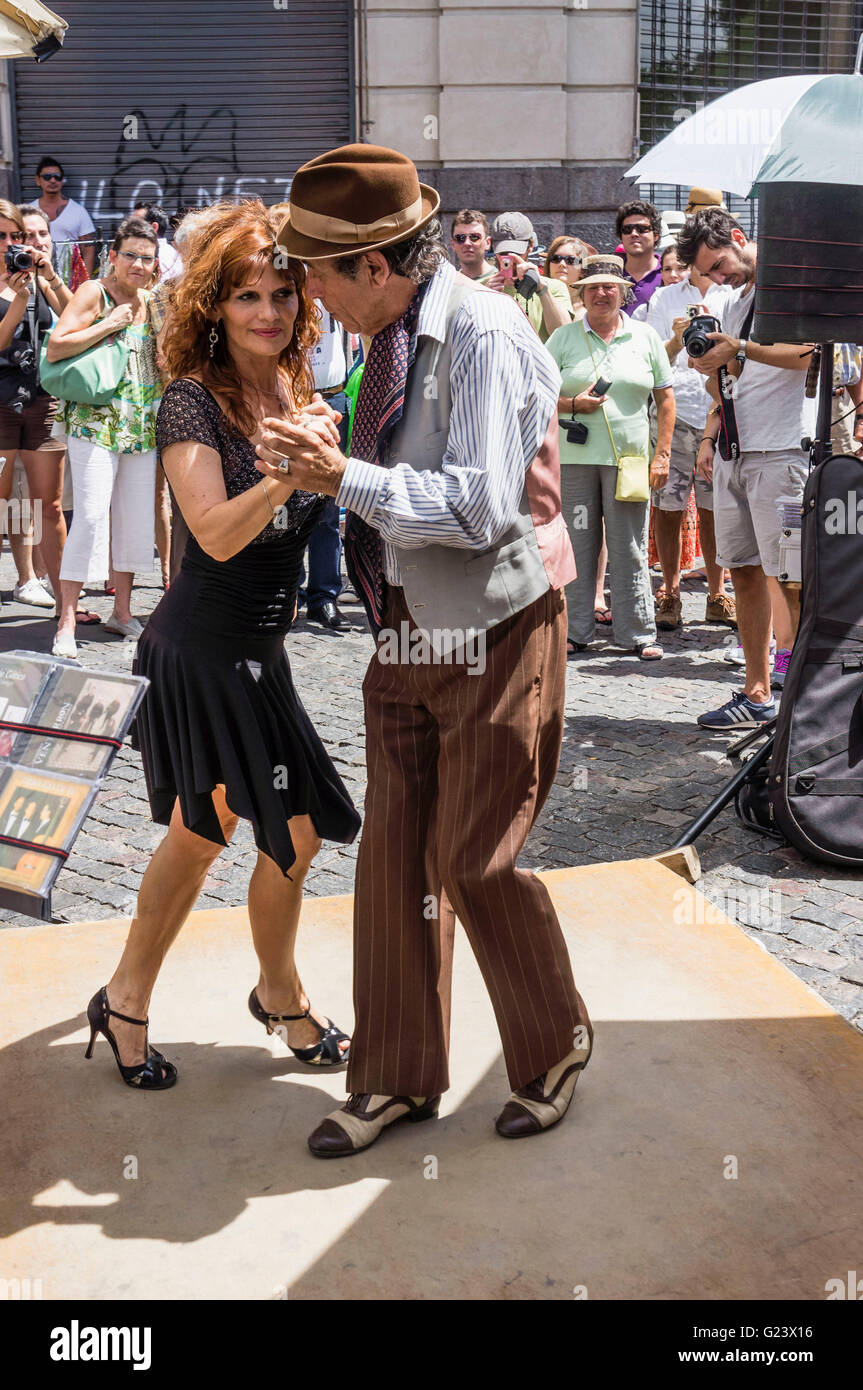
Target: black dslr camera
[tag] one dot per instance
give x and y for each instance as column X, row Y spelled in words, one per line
column 695, row 338
column 18, row 258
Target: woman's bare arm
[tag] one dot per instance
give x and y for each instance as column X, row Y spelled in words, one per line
column 77, row 328
column 221, row 527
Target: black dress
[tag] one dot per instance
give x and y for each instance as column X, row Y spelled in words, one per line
column 221, row 706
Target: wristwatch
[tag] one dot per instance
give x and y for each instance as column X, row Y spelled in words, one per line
column 741, row 351
column 542, row 289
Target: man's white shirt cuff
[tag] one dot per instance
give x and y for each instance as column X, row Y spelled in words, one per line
column 362, row 488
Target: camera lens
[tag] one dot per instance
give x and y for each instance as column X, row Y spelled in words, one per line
column 18, row 258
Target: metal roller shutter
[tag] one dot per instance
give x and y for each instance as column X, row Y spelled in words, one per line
column 183, row 101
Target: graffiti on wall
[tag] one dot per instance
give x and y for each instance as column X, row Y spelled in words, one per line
column 188, row 161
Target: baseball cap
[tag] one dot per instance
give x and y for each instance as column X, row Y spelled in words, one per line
column 512, row 232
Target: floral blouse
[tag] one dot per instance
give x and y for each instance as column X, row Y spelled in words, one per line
column 127, row 424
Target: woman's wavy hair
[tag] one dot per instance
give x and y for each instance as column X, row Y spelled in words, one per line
column 11, row 214
column 233, row 247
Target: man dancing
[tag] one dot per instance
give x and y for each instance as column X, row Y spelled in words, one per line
column 454, row 530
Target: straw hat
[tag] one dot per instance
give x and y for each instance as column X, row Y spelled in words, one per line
column 701, row 198
column 356, row 198
column 603, row 270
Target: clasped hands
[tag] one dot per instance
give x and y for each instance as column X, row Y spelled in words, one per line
column 310, row 443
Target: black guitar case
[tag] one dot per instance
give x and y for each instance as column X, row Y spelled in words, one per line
column 816, row 771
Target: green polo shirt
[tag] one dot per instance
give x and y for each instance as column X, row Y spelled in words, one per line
column 635, row 362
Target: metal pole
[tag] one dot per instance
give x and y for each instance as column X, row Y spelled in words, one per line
column 728, row 793
column 824, row 428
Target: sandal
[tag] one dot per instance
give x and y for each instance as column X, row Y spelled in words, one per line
column 573, row 647
column 603, row 616
column 86, row 618
column 326, row 1053
column 156, row 1074
column 649, row 651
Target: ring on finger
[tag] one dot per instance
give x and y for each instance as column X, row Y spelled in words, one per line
column 284, row 465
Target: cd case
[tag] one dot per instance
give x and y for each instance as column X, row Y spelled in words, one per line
column 48, row 783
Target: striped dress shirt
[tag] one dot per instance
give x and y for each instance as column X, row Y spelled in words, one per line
column 504, row 389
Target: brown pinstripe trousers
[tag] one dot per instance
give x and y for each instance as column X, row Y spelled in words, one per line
column 459, row 766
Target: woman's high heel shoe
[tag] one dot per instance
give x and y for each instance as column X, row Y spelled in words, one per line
column 326, row 1053
column 147, row 1076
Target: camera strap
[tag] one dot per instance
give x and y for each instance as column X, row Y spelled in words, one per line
column 728, row 442
column 33, row 319
column 602, row 407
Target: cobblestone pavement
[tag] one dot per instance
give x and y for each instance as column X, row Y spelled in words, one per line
column 634, row 770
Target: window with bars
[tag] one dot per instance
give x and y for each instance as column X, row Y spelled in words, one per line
column 693, row 52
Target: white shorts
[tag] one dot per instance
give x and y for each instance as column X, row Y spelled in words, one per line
column 744, row 505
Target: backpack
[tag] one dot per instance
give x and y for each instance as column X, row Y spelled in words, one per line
column 816, row 771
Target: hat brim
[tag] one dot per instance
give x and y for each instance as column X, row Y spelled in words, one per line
column 511, row 248
column 306, row 248
column 587, row 280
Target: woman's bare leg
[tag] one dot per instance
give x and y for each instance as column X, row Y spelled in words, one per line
column 163, row 524
column 170, row 886
column 122, row 581
column 274, row 914
column 44, row 469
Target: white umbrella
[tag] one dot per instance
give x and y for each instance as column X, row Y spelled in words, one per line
column 785, row 129
column 29, row 29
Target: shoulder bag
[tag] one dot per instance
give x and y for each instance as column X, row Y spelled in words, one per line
column 91, row 377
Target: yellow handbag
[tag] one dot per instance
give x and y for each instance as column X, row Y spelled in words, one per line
column 633, row 470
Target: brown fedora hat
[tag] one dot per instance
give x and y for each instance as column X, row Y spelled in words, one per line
column 355, row 198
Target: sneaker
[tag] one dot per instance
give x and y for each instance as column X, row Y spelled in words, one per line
column 780, row 667
column 64, row 645
column 33, row 594
column 721, row 609
column 130, row 629
column 739, row 712
column 734, row 654
column 669, row 612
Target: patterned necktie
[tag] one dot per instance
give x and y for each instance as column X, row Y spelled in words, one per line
column 379, row 406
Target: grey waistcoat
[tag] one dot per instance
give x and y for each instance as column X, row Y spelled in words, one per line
column 446, row 586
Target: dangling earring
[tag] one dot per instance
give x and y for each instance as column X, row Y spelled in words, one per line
column 214, row 340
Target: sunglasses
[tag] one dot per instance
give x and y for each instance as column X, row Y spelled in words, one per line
column 51, row 178
column 462, row 237
column 564, row 260
column 640, row 228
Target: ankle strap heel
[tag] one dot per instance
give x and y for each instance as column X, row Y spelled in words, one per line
column 156, row 1074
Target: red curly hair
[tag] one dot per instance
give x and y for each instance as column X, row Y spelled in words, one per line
column 233, row 248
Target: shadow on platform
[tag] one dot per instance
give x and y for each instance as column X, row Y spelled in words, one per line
column 713, row 1149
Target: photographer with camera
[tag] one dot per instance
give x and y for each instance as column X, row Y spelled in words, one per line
column 31, row 293
column 545, row 302
column 752, row 451
column 682, row 314
column 609, row 367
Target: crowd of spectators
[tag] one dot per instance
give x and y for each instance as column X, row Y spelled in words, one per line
column 633, row 402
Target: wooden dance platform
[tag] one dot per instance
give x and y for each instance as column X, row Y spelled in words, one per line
column 714, row 1149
